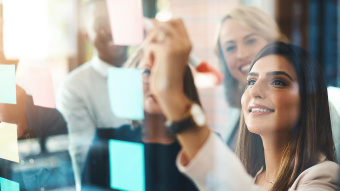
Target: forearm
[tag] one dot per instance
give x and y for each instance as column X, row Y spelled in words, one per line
column 192, row 140
column 216, row 167
column 176, row 106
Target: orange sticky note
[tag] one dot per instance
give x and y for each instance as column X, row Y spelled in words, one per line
column 42, row 87
column 126, row 20
column 9, row 142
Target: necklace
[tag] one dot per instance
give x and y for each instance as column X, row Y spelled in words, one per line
column 269, row 181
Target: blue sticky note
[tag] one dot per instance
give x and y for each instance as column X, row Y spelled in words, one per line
column 7, row 84
column 126, row 93
column 127, row 170
column 8, row 185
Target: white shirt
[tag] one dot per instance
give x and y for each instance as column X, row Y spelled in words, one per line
column 215, row 167
column 84, row 102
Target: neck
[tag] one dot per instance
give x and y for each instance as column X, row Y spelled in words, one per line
column 274, row 146
column 155, row 131
column 114, row 61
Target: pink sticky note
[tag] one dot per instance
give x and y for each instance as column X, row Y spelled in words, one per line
column 126, row 19
column 42, row 87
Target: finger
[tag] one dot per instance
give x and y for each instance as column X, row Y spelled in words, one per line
column 181, row 30
column 151, row 51
column 151, row 35
column 179, row 25
column 154, row 22
column 168, row 28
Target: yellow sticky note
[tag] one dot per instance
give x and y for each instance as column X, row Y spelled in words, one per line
column 9, row 142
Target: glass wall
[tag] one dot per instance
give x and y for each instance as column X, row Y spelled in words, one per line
column 79, row 108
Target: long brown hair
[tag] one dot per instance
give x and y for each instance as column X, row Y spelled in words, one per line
column 312, row 137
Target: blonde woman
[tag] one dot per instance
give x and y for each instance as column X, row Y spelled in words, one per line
column 241, row 34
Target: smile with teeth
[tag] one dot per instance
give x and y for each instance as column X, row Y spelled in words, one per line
column 245, row 68
column 260, row 110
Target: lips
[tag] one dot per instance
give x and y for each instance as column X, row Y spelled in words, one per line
column 153, row 97
column 259, row 109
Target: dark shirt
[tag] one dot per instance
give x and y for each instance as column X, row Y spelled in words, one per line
column 43, row 121
column 161, row 173
column 43, row 170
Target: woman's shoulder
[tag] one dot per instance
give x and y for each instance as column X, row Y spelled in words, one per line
column 322, row 176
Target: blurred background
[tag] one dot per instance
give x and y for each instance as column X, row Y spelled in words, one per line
column 48, row 33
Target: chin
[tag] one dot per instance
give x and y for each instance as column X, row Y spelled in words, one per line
column 255, row 129
column 152, row 107
column 153, row 110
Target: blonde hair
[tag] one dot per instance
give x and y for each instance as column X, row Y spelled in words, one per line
column 260, row 23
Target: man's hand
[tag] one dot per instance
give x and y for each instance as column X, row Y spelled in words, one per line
column 15, row 113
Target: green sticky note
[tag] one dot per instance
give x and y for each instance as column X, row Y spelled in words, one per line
column 127, row 167
column 7, row 84
column 126, row 93
column 8, row 185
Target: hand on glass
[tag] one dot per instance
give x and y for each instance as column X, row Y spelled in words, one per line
column 167, row 48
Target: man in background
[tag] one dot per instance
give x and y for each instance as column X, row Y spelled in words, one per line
column 83, row 98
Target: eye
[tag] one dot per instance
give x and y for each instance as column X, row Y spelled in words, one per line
column 146, row 72
column 230, row 48
column 146, row 75
column 251, row 41
column 279, row 83
column 250, row 82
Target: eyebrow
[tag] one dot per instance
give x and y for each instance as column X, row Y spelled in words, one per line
column 274, row 73
column 247, row 36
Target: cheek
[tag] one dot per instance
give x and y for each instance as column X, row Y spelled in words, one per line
column 255, row 49
column 230, row 60
column 289, row 108
column 145, row 89
column 244, row 102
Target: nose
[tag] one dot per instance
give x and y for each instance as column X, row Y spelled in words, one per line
column 258, row 90
column 242, row 53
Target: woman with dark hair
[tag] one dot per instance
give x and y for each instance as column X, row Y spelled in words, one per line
column 286, row 141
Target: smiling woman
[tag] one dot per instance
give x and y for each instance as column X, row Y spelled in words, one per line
column 285, row 141
column 272, row 95
column 286, row 79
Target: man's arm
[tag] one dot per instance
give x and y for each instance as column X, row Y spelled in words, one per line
column 81, row 128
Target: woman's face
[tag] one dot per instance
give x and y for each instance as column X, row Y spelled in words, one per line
column 149, row 101
column 239, row 46
column 271, row 101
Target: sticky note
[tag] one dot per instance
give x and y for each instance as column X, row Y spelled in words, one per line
column 9, row 142
column 8, row 185
column 127, row 170
column 126, row 21
column 126, row 93
column 42, row 87
column 7, row 84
